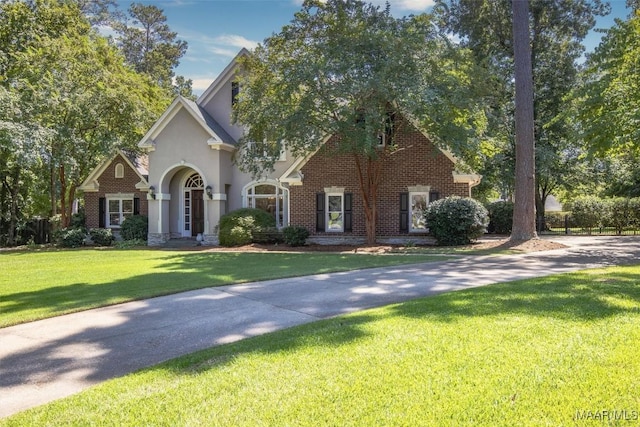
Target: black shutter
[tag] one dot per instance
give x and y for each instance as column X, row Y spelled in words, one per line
column 433, row 196
column 102, row 214
column 320, row 212
column 348, row 212
column 404, row 212
column 136, row 205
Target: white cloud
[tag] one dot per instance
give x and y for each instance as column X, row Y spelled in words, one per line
column 235, row 41
column 199, row 85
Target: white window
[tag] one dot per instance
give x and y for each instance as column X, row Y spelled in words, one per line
column 119, row 170
column 270, row 198
column 419, row 201
column 335, row 212
column 118, row 210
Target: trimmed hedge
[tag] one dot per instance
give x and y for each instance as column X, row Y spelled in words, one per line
column 135, row 227
column 500, row 217
column 456, row 220
column 295, row 236
column 71, row 237
column 102, row 236
column 238, row 228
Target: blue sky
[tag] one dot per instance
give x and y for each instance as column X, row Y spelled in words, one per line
column 217, row 29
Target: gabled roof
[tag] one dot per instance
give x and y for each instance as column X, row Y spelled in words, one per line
column 91, row 184
column 216, row 132
column 222, row 78
column 294, row 176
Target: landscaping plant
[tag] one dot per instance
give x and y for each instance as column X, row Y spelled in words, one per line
column 456, row 220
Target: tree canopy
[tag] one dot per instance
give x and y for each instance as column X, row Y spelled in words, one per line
column 69, row 97
column 343, row 68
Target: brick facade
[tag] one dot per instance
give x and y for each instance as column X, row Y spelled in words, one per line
column 416, row 162
column 109, row 184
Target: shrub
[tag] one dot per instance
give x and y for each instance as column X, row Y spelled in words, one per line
column 456, row 220
column 77, row 220
column 71, row 237
column 295, row 236
column 238, row 227
column 500, row 217
column 102, row 236
column 587, row 212
column 268, row 235
column 135, row 227
column 619, row 213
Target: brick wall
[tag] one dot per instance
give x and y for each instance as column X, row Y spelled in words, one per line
column 109, row 184
column 416, row 162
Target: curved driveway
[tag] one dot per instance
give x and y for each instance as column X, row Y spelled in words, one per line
column 49, row 359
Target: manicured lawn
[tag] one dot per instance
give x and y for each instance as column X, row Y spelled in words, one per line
column 36, row 285
column 553, row 351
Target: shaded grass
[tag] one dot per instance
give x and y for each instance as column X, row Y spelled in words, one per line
column 546, row 351
column 36, row 285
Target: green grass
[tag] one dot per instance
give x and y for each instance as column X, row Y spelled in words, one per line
column 551, row 351
column 36, row 285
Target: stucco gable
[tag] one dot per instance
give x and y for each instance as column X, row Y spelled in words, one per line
column 222, row 79
column 92, row 183
column 218, row 136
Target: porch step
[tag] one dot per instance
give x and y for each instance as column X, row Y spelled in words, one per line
column 183, row 242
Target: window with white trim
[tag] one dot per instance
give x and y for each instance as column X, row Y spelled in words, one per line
column 118, row 209
column 418, row 202
column 270, row 198
column 335, row 212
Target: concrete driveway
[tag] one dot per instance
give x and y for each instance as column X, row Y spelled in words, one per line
column 49, row 359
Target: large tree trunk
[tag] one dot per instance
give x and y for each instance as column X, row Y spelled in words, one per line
column 524, row 219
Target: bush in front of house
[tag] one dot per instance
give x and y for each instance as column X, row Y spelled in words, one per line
column 456, row 220
column 135, row 227
column 500, row 217
column 295, row 236
column 268, row 235
column 102, row 236
column 237, row 228
column 71, row 237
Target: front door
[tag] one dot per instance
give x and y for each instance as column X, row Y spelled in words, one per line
column 197, row 215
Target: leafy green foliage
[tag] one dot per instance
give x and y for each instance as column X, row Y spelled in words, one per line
column 267, row 235
column 348, row 68
column 102, row 236
column 71, row 237
column 608, row 104
column 500, row 217
column 587, row 211
column 135, row 227
column 295, row 236
column 557, row 31
column 456, row 220
column 238, row 227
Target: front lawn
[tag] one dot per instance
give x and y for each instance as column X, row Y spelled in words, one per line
column 36, row 285
column 560, row 350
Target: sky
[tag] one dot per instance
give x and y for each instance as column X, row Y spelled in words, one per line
column 216, row 30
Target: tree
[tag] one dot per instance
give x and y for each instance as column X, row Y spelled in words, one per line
column 150, row 46
column 524, row 219
column 69, row 84
column 557, row 29
column 346, row 68
column 607, row 104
